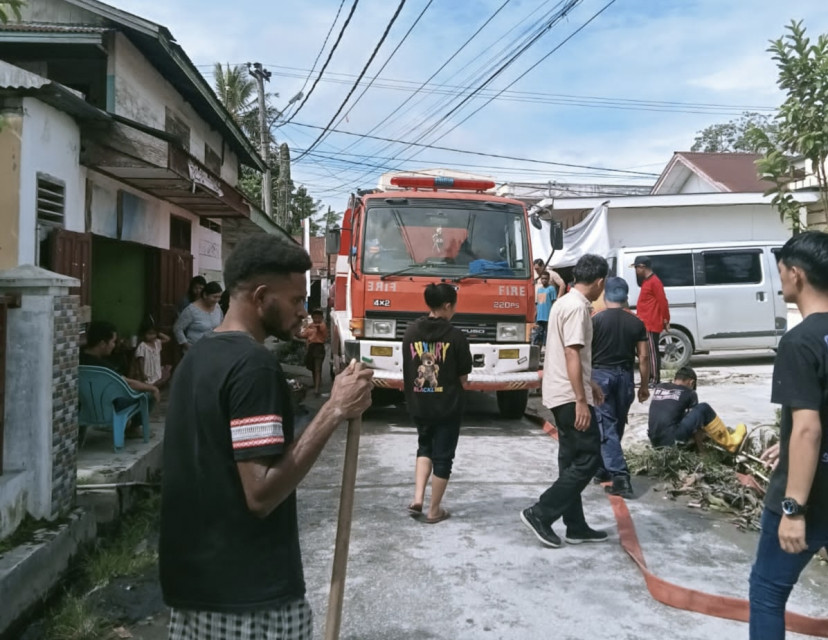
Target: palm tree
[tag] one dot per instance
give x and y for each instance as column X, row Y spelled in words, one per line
column 237, row 91
column 10, row 8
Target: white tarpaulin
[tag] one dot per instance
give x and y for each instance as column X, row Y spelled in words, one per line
column 588, row 236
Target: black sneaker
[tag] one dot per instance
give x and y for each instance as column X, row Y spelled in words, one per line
column 601, row 476
column 620, row 487
column 543, row 531
column 585, row 535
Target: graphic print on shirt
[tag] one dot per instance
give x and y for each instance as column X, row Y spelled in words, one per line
column 427, row 357
column 666, row 394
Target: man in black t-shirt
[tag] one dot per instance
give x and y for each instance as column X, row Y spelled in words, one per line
column 677, row 417
column 617, row 337
column 229, row 548
column 436, row 363
column 795, row 519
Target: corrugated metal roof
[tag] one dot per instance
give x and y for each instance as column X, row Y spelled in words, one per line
column 51, row 27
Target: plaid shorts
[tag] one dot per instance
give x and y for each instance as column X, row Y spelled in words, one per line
column 293, row 621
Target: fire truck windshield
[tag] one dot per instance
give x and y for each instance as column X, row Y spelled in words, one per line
column 446, row 239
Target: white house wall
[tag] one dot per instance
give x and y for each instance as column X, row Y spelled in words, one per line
column 51, row 146
column 209, row 253
column 671, row 225
column 146, row 220
column 141, row 94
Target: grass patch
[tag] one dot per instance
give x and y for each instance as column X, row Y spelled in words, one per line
column 125, row 549
column 75, row 619
column 25, row 532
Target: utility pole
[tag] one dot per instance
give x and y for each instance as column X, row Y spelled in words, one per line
column 262, row 75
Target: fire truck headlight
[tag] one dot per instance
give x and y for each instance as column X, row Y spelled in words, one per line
column 510, row 331
column 380, row 328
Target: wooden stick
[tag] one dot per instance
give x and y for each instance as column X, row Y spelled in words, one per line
column 333, row 619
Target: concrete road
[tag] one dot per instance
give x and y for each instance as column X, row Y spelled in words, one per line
column 482, row 574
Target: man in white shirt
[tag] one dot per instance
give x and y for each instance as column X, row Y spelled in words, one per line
column 568, row 391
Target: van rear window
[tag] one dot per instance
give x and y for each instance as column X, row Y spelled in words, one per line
column 674, row 269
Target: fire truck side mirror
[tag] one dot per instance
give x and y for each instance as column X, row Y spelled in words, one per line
column 332, row 239
column 556, row 234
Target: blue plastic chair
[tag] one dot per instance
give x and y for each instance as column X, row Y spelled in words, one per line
column 107, row 401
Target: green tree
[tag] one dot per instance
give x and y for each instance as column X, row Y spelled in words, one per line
column 237, row 91
column 303, row 206
column 9, row 9
column 326, row 220
column 802, row 121
column 735, row 136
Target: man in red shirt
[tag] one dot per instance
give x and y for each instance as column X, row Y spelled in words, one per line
column 653, row 310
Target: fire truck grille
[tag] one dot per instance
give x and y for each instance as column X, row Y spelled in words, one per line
column 478, row 328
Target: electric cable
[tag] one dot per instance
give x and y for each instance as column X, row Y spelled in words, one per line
column 362, row 73
column 482, row 153
column 322, row 48
column 327, row 60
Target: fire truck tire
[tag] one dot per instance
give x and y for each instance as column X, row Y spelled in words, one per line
column 512, row 404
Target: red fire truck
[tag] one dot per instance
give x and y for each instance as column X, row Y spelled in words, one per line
column 437, row 229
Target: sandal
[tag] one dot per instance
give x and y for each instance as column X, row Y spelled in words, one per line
column 443, row 515
column 415, row 510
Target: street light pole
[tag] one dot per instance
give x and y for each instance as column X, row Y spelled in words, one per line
column 261, row 74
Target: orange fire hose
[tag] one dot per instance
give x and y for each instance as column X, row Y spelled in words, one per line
column 689, row 599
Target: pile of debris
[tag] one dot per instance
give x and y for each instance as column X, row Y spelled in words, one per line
column 713, row 478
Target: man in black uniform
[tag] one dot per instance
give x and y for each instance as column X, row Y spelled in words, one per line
column 618, row 336
column 676, row 416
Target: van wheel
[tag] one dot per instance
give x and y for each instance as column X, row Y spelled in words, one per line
column 676, row 348
column 512, row 404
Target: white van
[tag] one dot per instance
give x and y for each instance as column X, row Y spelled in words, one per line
column 722, row 296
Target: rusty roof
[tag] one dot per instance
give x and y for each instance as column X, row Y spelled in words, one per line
column 732, row 172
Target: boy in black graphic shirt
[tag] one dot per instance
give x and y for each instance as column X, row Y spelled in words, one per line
column 436, row 363
column 677, row 417
column 795, row 520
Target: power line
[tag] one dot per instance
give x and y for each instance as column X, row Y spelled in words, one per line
column 478, row 153
column 554, row 16
column 513, row 43
column 532, row 97
column 327, row 60
column 555, row 49
column 362, row 73
column 322, row 48
column 344, row 164
column 396, row 111
column 385, row 64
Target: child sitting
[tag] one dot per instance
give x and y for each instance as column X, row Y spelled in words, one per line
column 677, row 417
column 148, row 356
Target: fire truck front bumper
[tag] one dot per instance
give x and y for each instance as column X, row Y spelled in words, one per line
column 496, row 367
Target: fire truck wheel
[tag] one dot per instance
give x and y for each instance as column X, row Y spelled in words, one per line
column 512, row 404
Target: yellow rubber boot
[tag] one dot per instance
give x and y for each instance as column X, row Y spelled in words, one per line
column 719, row 433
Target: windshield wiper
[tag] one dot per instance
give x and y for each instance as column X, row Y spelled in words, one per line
column 479, row 274
column 402, row 271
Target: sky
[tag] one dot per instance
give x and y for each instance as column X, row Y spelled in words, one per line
column 621, row 87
